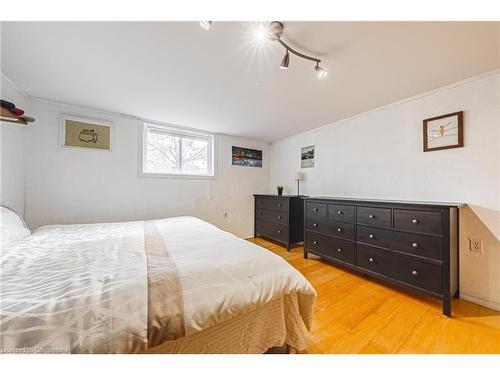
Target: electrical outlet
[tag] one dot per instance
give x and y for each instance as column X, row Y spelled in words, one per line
column 475, row 245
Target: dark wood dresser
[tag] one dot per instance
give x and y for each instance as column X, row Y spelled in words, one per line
column 409, row 244
column 280, row 218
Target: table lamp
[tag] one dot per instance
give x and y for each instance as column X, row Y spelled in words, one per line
column 299, row 176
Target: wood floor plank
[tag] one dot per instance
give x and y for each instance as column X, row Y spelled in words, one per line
column 362, row 334
column 356, row 315
column 394, row 333
column 371, row 348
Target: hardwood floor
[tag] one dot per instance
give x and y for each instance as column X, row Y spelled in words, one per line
column 356, row 315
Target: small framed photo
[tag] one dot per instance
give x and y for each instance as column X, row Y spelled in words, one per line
column 85, row 133
column 307, row 157
column 443, row 132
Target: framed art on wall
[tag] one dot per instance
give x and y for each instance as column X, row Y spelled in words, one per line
column 443, row 132
column 307, row 157
column 246, row 157
column 85, row 133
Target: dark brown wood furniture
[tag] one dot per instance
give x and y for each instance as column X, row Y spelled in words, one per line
column 280, row 218
column 410, row 244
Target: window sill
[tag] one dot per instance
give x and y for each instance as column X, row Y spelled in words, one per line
column 176, row 176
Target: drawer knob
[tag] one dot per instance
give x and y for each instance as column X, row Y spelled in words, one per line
column 315, row 209
column 260, row 213
column 414, row 273
column 315, row 225
column 415, row 221
column 315, row 242
column 280, row 204
column 279, row 231
column 339, row 229
column 279, row 216
column 371, row 236
column 339, row 250
column 339, row 212
column 260, row 226
column 414, row 244
column 371, row 216
column 371, row 260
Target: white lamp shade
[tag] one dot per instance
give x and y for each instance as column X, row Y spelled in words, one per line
column 299, row 176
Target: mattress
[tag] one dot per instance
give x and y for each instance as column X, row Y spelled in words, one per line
column 135, row 286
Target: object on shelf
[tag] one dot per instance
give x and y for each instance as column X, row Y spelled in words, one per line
column 7, row 105
column 9, row 113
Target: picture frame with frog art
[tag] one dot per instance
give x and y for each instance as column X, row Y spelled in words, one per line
column 444, row 132
column 85, row 133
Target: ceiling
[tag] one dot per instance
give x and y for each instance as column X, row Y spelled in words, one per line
column 220, row 80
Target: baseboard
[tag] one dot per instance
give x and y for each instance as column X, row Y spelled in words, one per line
column 480, row 301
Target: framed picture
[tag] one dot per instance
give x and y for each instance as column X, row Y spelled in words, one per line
column 246, row 157
column 444, row 132
column 85, row 133
column 307, row 157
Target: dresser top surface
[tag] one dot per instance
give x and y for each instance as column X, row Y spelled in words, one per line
column 279, row 196
column 390, row 201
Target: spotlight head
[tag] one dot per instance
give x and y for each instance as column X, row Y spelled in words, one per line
column 320, row 72
column 286, row 61
column 274, row 30
column 206, row 25
column 260, row 33
column 268, row 31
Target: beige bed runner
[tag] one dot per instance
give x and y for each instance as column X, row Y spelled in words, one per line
column 165, row 305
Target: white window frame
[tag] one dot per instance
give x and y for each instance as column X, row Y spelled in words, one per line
column 145, row 127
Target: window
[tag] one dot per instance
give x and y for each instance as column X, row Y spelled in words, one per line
column 177, row 152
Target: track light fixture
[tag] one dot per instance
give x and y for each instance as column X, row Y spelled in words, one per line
column 285, row 61
column 206, row 25
column 275, row 32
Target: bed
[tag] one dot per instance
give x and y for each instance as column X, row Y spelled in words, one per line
column 177, row 285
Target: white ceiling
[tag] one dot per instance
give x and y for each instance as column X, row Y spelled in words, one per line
column 219, row 80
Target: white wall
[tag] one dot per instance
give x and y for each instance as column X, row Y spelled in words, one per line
column 378, row 154
column 80, row 186
column 12, row 139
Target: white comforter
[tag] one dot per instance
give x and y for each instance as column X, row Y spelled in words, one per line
column 84, row 288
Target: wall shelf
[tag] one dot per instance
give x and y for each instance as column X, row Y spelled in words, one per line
column 6, row 116
column 14, row 121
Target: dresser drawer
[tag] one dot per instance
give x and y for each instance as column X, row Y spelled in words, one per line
column 278, row 232
column 275, row 216
column 418, row 221
column 403, row 268
column 375, row 260
column 314, row 209
column 271, row 204
column 374, row 216
column 415, row 244
column 418, row 273
column 333, row 228
column 331, row 247
column 341, row 212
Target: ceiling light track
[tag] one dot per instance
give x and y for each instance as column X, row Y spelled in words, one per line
column 274, row 31
column 297, row 53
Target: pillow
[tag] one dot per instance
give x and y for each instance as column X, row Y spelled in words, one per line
column 12, row 227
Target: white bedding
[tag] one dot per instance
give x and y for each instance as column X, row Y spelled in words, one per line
column 84, row 288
